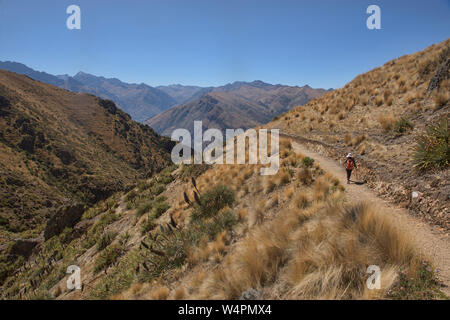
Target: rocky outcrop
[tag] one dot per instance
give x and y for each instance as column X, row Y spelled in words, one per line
column 65, row 217
column 440, row 75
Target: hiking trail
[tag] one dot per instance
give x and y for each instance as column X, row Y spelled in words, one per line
column 432, row 242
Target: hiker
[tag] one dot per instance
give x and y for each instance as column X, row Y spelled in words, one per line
column 350, row 164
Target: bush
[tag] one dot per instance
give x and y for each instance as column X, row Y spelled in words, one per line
column 165, row 179
column 224, row 220
column 307, row 162
column 432, row 149
column 213, row 201
column 159, row 208
column 402, row 125
column 106, row 240
column 147, row 226
column 193, row 170
column 158, row 189
column 107, row 258
column 144, row 208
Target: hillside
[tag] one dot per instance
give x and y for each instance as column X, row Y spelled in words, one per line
column 237, row 105
column 294, row 235
column 138, row 100
column 59, row 147
column 382, row 117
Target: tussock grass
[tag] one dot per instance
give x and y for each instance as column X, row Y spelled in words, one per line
column 322, row 256
column 441, row 98
column 386, row 122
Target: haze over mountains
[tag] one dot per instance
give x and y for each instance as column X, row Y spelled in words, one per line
column 236, row 105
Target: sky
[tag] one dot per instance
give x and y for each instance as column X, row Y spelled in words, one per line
column 324, row 44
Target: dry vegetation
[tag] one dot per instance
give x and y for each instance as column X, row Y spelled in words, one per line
column 214, row 232
column 292, row 235
column 382, row 116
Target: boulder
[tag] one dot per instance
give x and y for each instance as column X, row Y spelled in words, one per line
column 441, row 74
column 65, row 217
column 251, row 294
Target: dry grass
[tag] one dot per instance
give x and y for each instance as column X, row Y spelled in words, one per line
column 440, row 99
column 160, row 293
column 305, row 176
column 180, row 293
column 324, row 255
column 301, row 200
column 386, row 122
column 288, row 192
column 320, row 189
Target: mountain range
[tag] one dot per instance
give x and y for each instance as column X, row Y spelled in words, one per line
column 236, row 105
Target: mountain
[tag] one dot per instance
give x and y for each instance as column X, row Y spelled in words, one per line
column 184, row 94
column 36, row 75
column 139, row 100
column 236, row 105
column 59, row 146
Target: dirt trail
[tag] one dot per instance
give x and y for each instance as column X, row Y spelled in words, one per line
column 432, row 242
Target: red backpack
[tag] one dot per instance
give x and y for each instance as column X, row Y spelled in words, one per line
column 350, row 164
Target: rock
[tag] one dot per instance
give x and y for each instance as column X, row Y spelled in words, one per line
column 441, row 74
column 251, row 294
column 23, row 247
column 65, row 217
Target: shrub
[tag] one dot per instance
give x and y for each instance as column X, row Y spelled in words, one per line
column 307, row 162
column 193, row 170
column 213, row 201
column 440, row 99
column 432, row 149
column 147, row 226
column 402, row 125
column 165, row 179
column 224, row 220
column 144, row 208
column 158, row 189
column 144, row 185
column 131, row 195
column 159, row 208
column 107, row 258
column 106, row 240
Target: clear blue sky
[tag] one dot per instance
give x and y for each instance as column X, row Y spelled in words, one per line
column 213, row 42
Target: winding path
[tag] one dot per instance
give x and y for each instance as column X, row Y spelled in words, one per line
column 432, row 242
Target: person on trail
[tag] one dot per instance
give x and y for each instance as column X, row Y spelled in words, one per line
column 350, row 164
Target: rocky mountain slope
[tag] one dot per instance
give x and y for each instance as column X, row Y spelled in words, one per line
column 237, row 105
column 59, row 147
